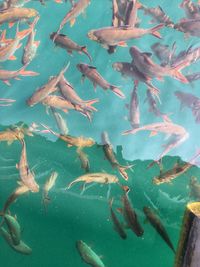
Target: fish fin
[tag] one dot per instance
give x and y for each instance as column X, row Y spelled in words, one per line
column 19, row 45
column 122, row 43
column 117, row 91
column 58, row 1
column 153, row 133
column 179, row 76
column 132, row 131
column 90, row 102
column 7, row 82
column 84, row 50
column 21, row 35
column 11, row 24
column 36, row 43
column 24, row 72
column 3, row 36
column 17, row 166
column 154, row 30
column 72, row 21
column 12, row 57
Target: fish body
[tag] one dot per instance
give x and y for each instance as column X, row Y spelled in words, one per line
column 131, row 13
column 111, row 36
column 146, row 65
column 57, row 102
column 134, row 111
column 27, row 177
column 66, row 43
column 158, row 15
column 155, row 221
column 75, row 11
column 14, row 228
column 20, row 248
column 88, row 255
column 11, row 135
column 191, row 9
column 85, row 164
column 131, row 217
column 100, row 177
column 46, row 89
column 94, row 76
column 17, row 14
column 162, row 52
column 61, row 123
column 14, row 3
column 189, row 27
column 49, row 184
column 194, row 188
column 117, row 225
column 193, row 77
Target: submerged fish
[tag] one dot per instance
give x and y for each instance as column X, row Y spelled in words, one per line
column 85, row 164
column 14, row 228
column 190, row 27
column 155, row 221
column 111, row 36
column 11, row 135
column 50, row 182
column 194, row 188
column 130, row 215
column 134, row 110
column 94, row 76
column 192, row 10
column 88, row 255
column 117, row 225
column 66, row 43
column 131, row 13
column 61, row 123
column 100, row 177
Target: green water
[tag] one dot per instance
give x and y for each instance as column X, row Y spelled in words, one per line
column 72, row 216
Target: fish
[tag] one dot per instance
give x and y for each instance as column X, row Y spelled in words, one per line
column 15, row 14
column 14, row 3
column 158, row 15
column 6, row 102
column 61, row 123
column 193, row 77
column 68, row 92
column 130, row 70
column 94, row 76
column 6, row 75
column 190, row 27
column 191, row 101
column 10, row 47
column 117, row 225
column 30, row 49
column 191, row 9
column 100, row 177
column 176, row 171
column 88, row 255
column 13, row 228
column 154, row 108
column 111, row 36
column 155, row 221
column 131, row 13
column 194, row 188
column 134, row 110
column 145, row 64
column 21, row 247
column 85, row 164
column 164, row 53
column 129, row 214
column 11, row 135
column 66, row 43
column 50, row 87
column 110, row 156
column 50, row 182
column 74, row 12
column 79, row 142
column 26, row 175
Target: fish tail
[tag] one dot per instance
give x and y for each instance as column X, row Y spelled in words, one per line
column 89, row 104
column 154, row 30
column 117, row 91
column 21, row 35
column 24, row 72
column 132, row 131
column 3, row 36
column 84, row 50
column 176, row 73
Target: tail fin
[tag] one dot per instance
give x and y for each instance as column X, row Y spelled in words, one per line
column 89, row 104
column 84, row 50
column 24, row 72
column 175, row 72
column 132, row 131
column 117, row 91
column 123, row 169
column 154, row 30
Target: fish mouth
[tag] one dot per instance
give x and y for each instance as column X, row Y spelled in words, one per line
column 92, row 36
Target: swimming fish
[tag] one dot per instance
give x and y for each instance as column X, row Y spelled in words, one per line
column 85, row 164
column 117, row 225
column 61, row 123
column 26, row 175
column 155, row 221
column 13, row 228
column 129, row 214
column 134, row 110
column 164, row 53
column 6, row 102
column 11, row 135
column 111, row 36
column 145, row 64
column 50, row 182
column 46, row 89
column 190, row 27
column 191, row 9
column 194, row 188
column 66, row 43
column 100, row 177
column 131, row 13
column 94, row 76
column 88, row 255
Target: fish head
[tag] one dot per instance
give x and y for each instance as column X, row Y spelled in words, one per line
column 118, row 66
column 92, row 36
column 134, row 52
column 81, row 67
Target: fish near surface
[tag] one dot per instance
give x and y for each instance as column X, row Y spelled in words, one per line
column 46, row 89
column 100, row 177
column 131, row 13
column 85, row 164
column 191, row 9
column 109, row 154
column 130, row 215
column 94, row 76
column 117, row 225
column 190, row 27
column 111, row 36
column 163, row 53
column 145, row 64
column 134, row 110
column 17, row 14
column 88, row 255
column 75, row 11
column 191, row 101
column 49, row 184
column 61, row 122
column 26, row 175
column 14, row 228
column 155, row 221
column 66, row 43
column 11, row 135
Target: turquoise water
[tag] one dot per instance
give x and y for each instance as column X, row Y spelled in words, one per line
column 71, row 215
